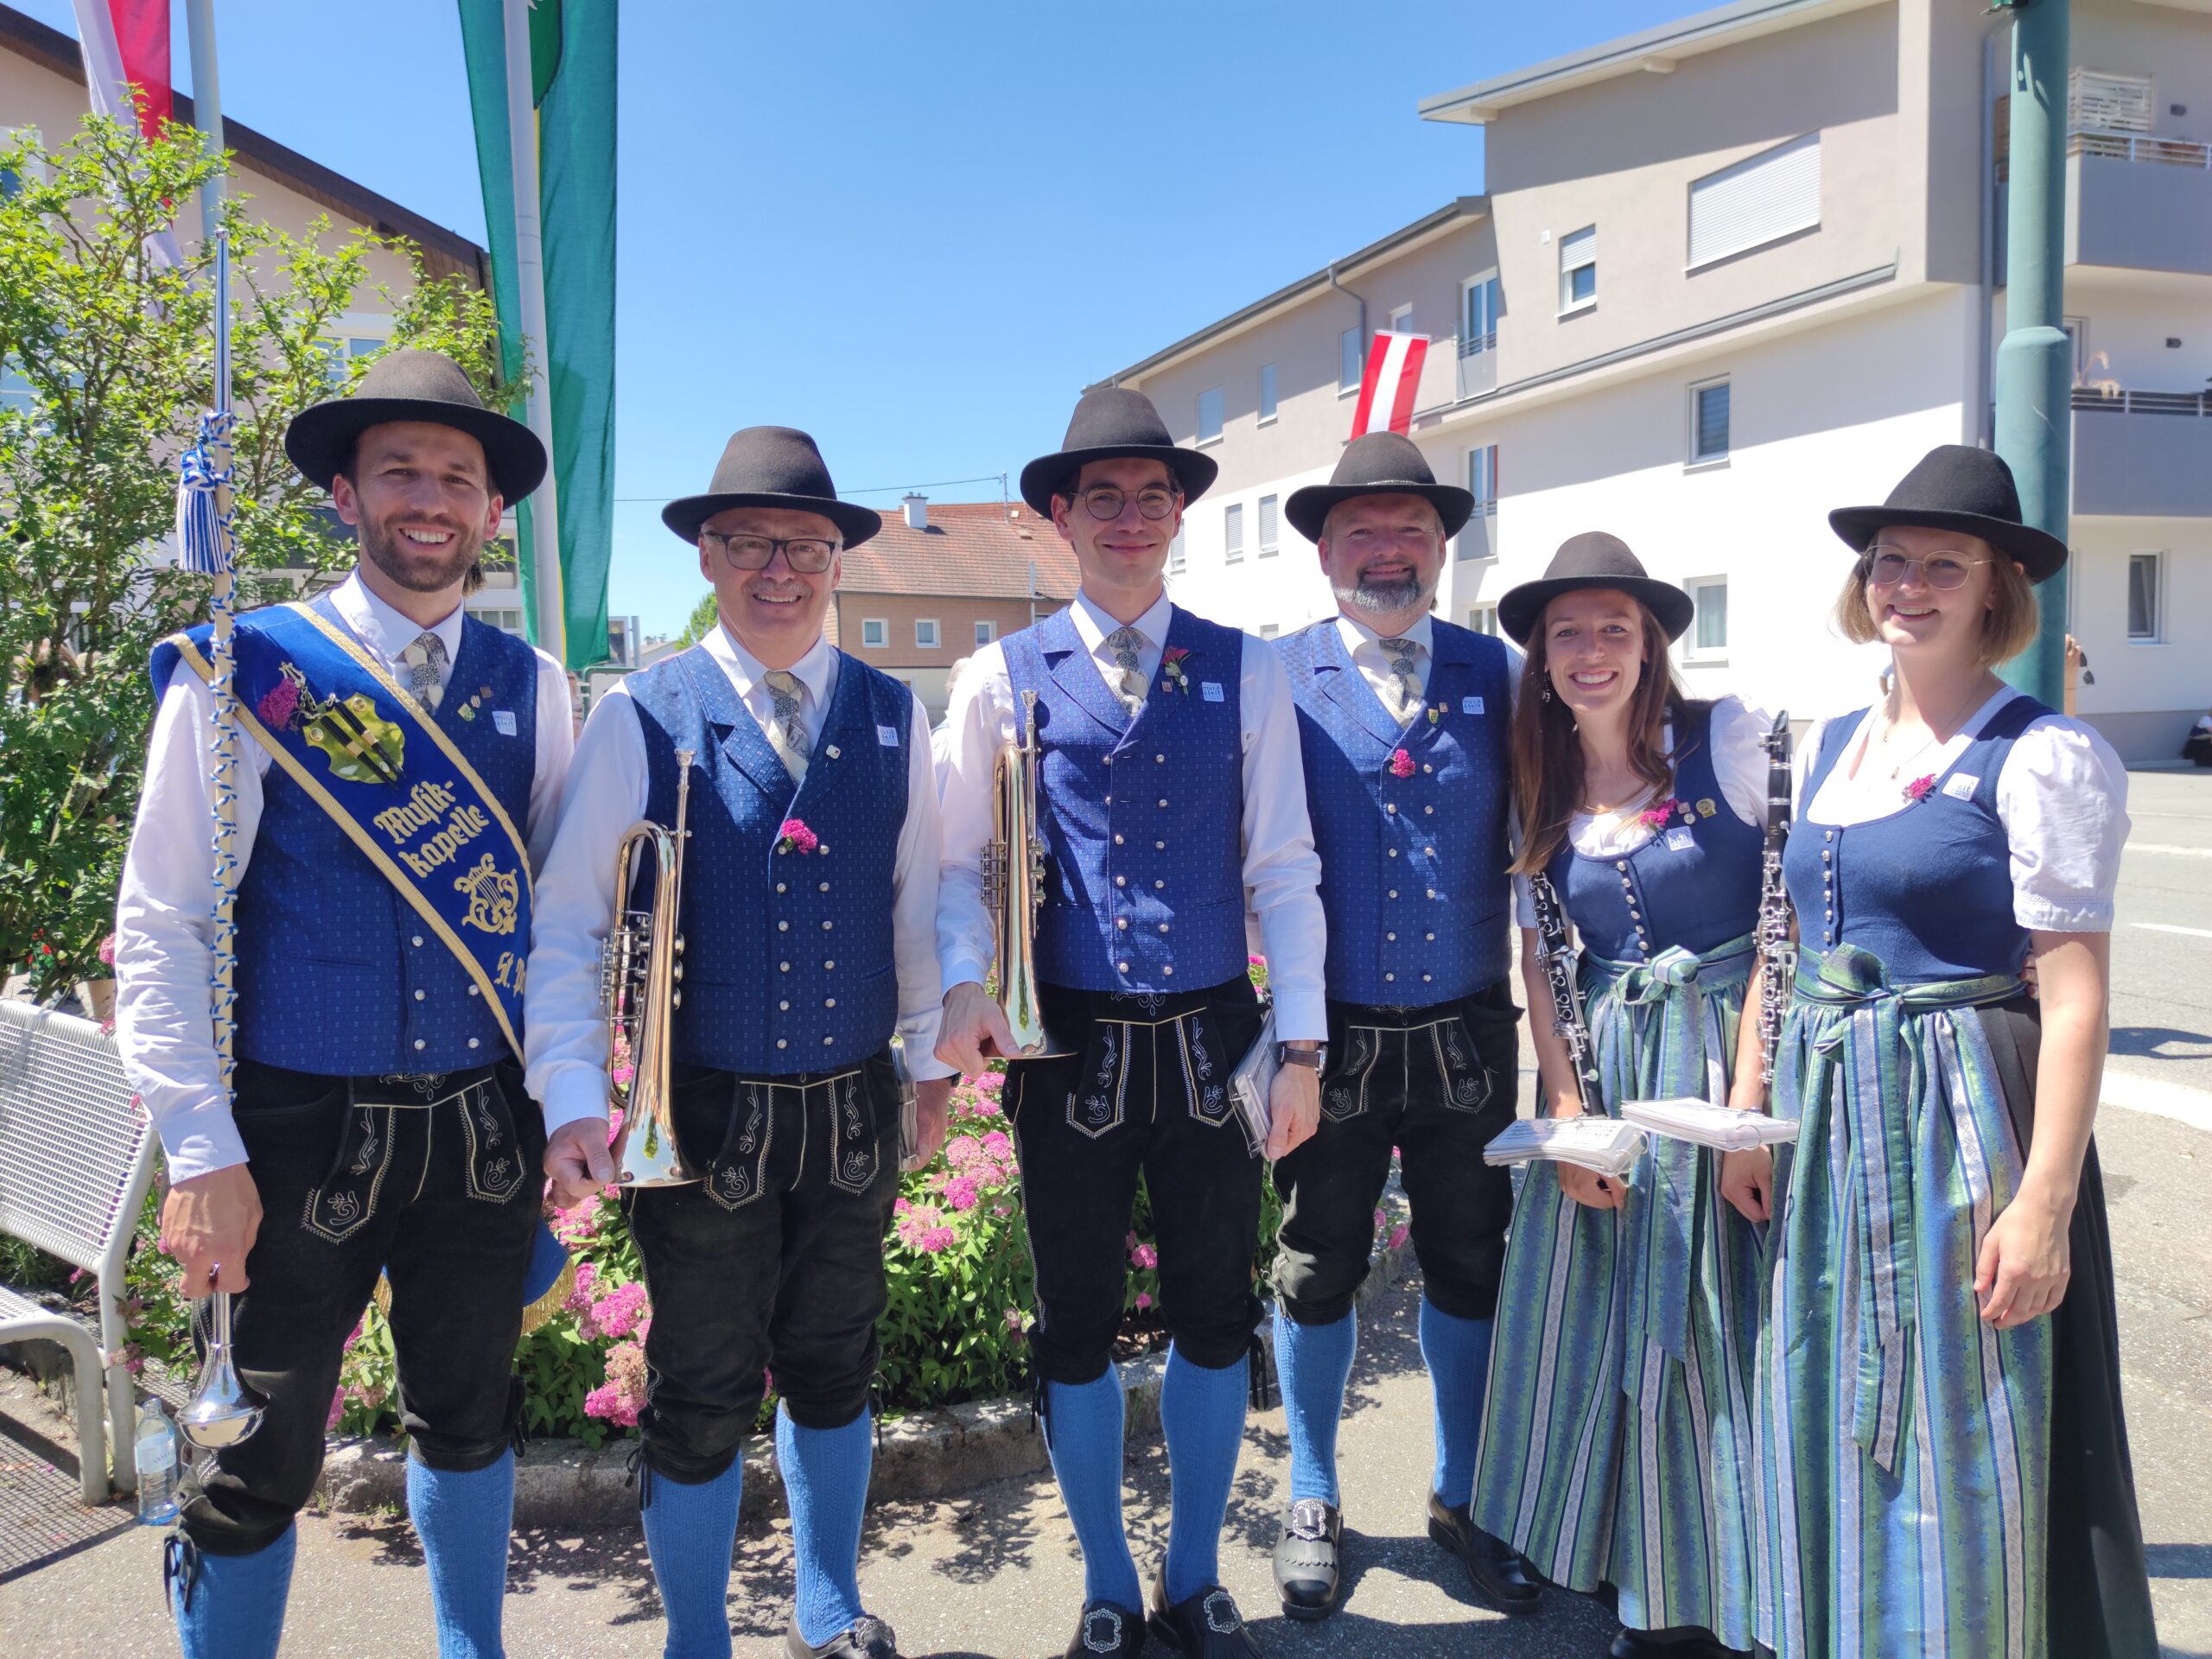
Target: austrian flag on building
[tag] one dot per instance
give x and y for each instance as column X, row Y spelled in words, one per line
column 126, row 43
column 1386, row 395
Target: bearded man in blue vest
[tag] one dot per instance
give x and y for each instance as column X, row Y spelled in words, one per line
column 1402, row 720
column 808, row 918
column 399, row 770
column 1171, row 795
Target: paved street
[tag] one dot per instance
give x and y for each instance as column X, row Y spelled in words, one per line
column 994, row 1572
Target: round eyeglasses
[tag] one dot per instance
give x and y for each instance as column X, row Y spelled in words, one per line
column 1105, row 503
column 810, row 555
column 1944, row 570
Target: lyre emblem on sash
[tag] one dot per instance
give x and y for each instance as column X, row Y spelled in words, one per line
column 363, row 746
column 493, row 897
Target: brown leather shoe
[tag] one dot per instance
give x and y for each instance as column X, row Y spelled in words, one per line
column 1499, row 1577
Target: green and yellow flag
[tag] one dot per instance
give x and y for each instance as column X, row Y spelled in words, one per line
column 572, row 50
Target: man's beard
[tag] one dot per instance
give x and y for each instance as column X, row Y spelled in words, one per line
column 1383, row 598
column 414, row 568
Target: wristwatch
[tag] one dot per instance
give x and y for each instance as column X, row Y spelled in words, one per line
column 1316, row 1057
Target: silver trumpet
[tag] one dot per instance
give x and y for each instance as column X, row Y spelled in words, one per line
column 223, row 1410
column 1013, row 881
column 640, row 976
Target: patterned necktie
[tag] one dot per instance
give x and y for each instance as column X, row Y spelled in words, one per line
column 1405, row 678
column 424, row 660
column 1125, row 643
column 787, row 733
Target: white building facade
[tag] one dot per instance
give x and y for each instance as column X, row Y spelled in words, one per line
column 1730, row 273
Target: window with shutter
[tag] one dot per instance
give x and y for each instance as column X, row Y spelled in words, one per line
column 1578, row 268
column 1268, row 516
column 2101, row 102
column 1709, row 421
column 1232, row 532
column 1267, row 392
column 1209, row 415
column 1761, row 199
column 1479, row 329
column 1350, row 360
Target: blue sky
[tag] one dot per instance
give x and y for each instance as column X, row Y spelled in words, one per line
column 918, row 231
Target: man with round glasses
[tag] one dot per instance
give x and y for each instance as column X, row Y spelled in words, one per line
column 808, row 920
column 1169, row 789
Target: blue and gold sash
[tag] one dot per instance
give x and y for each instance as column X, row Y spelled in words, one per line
column 373, row 759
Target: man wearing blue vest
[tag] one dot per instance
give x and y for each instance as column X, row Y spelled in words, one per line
column 1403, row 721
column 397, row 775
column 808, row 918
column 1171, row 799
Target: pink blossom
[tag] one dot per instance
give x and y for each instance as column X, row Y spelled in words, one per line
column 795, row 838
column 337, row 1410
column 991, row 1081
column 1013, row 1318
column 901, row 1206
column 1129, row 1243
column 987, row 1107
column 1144, row 1257
column 996, row 1143
column 959, row 1192
column 1401, row 764
column 935, row 1240
column 1398, row 1235
column 1144, row 1300
column 107, row 951
column 278, row 704
column 1380, row 1218
column 1918, row 789
column 963, row 1150
column 1658, row 812
column 617, row 1315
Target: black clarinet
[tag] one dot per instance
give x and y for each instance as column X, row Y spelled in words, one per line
column 1777, row 953
column 1558, row 957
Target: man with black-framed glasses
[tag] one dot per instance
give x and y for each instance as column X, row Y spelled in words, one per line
column 808, row 919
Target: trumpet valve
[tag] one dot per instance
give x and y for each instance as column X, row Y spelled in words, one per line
column 995, row 873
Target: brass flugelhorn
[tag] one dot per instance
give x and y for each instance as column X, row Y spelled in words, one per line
column 223, row 1410
column 640, row 986
column 1013, row 881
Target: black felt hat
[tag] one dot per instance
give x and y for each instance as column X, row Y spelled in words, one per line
column 414, row 384
column 1379, row 463
column 1110, row 423
column 1957, row 487
column 1593, row 559
column 772, row 466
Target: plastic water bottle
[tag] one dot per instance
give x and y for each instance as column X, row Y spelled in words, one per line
column 156, row 1460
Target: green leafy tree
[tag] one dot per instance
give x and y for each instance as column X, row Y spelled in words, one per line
column 702, row 620
column 108, row 359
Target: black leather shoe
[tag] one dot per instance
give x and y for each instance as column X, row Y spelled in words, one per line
column 1105, row 1628
column 1679, row 1643
column 1305, row 1559
column 1206, row 1627
column 1498, row 1575
column 869, row 1638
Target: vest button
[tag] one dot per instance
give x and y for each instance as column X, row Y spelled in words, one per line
column 781, row 1043
column 419, row 995
column 783, row 927
column 1121, row 881
column 821, row 851
column 1424, row 979
column 1122, row 966
column 472, row 1042
column 472, row 991
column 1109, row 800
column 782, row 967
column 1158, row 758
column 829, row 1002
column 1620, row 864
column 1394, row 852
column 826, row 926
column 826, row 1041
column 1117, row 840
column 1107, row 761
column 1163, row 927
column 1432, row 893
column 779, row 886
column 1389, row 977
column 1431, row 937
column 785, row 1007
column 1158, row 885
column 418, row 1042
column 1169, row 971
column 1394, row 893
column 1163, row 801
column 1425, row 766
column 1390, row 807
column 1389, row 936
column 1157, row 846
column 1428, row 809
column 825, row 887
column 418, row 941
column 1120, row 921
column 827, row 966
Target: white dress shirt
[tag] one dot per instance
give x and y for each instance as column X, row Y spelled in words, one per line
column 564, row 1029
column 2061, row 797
column 164, row 920
column 1282, row 870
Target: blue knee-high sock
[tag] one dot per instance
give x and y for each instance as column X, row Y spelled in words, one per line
column 1457, row 1353
column 464, row 1521
column 1082, row 1431
column 825, row 1481
column 690, row 1532
column 232, row 1607
column 1202, row 1415
column 1313, row 1366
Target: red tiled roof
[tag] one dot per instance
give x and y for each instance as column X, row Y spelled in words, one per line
column 971, row 549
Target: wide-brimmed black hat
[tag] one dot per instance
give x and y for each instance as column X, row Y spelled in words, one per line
column 1593, row 559
column 772, row 466
column 1380, row 463
column 1110, row 423
column 414, row 384
column 1957, row 487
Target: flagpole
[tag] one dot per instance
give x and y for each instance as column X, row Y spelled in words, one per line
column 530, row 281
column 207, row 107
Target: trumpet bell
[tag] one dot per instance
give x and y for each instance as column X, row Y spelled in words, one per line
column 648, row 1155
column 222, row 1409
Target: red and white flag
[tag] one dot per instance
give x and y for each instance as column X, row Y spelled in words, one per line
column 126, row 42
column 1386, row 394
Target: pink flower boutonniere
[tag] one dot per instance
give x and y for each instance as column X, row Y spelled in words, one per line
column 1401, row 764
column 1171, row 664
column 1655, row 817
column 277, row 705
column 1919, row 788
column 795, row 838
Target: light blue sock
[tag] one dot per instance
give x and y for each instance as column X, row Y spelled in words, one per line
column 825, row 1481
column 1457, row 1353
column 1202, row 1415
column 231, row 1606
column 1312, row 1366
column 463, row 1521
column 1082, row 1431
column 690, row 1532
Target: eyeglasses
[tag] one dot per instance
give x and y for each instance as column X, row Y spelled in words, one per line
column 1887, row 566
column 1105, row 503
column 810, row 555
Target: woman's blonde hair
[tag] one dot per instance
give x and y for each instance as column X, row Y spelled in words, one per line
column 2008, row 627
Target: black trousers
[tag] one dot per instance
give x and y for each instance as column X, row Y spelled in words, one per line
column 434, row 1182
column 776, row 1261
column 1438, row 1084
column 1148, row 1093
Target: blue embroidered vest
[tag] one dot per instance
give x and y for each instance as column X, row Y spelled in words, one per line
column 1413, row 866
column 1928, row 889
column 1694, row 883
column 788, row 965
column 1143, row 817
column 336, row 973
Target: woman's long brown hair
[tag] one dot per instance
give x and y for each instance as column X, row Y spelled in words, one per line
column 1548, row 749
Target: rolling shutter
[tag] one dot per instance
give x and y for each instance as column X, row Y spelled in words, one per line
column 1759, row 200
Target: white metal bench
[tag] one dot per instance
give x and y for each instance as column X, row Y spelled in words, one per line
column 76, row 1158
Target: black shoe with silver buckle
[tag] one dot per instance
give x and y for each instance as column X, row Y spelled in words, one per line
column 868, row 1637
column 1109, row 1630
column 1499, row 1577
column 1205, row 1626
column 1305, row 1559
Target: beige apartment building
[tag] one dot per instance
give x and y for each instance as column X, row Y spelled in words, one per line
column 1731, row 273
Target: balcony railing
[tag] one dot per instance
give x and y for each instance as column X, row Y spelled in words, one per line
column 2140, row 146
column 2138, row 455
column 2104, row 396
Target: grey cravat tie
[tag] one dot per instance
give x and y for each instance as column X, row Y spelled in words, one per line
column 787, row 733
column 1405, row 677
column 425, row 659
column 1125, row 643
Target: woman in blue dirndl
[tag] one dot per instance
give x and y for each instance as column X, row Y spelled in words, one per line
column 1617, row 1450
column 1945, row 1459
